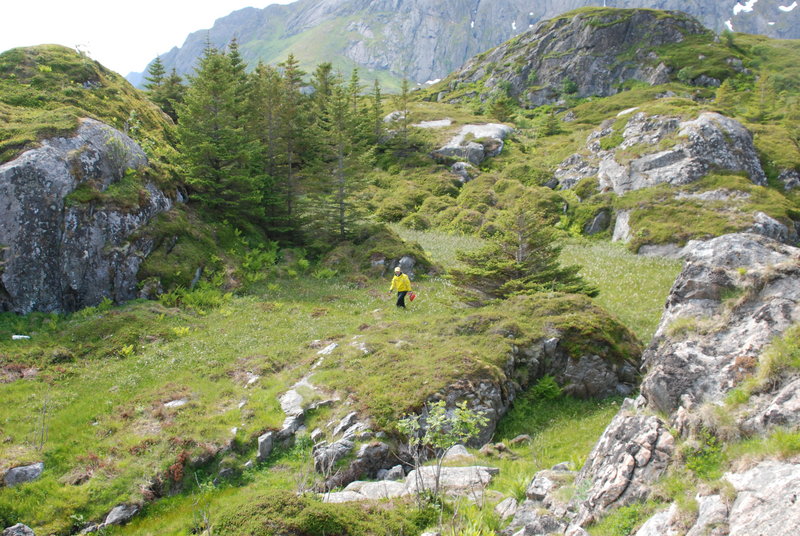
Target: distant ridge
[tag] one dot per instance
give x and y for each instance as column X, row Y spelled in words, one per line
column 425, row 40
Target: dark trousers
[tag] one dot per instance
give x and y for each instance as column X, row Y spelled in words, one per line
column 401, row 299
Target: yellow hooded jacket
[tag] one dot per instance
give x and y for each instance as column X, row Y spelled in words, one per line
column 400, row 283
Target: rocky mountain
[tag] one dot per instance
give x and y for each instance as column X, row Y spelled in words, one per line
column 425, row 40
column 592, row 52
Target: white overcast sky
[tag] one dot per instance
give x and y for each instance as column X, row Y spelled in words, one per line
column 123, row 36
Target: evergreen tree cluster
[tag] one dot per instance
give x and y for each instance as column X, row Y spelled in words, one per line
column 267, row 150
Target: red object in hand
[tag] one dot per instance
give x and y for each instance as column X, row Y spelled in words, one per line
column 411, row 296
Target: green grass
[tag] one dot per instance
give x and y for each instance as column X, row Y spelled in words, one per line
column 633, row 288
column 106, row 372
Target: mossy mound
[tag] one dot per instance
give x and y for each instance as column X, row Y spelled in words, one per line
column 289, row 514
column 411, row 357
column 44, row 90
column 373, row 250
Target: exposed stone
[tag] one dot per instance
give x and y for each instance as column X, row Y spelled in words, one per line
column 458, row 453
column 790, row 178
column 766, row 501
column 395, row 473
column 265, row 445
column 60, row 257
column 711, row 141
column 686, row 370
column 579, row 50
column 659, row 524
column 598, row 224
column 326, row 456
column 520, row 439
column 465, row 171
column 632, row 453
column 490, row 143
column 23, row 474
column 506, row 508
column 346, row 422
column 622, row 228
column 452, row 480
column 18, row 530
column 771, row 228
column 121, row 514
column 781, row 409
column 174, row 404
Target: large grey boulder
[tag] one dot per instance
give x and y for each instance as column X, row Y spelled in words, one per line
column 23, row 474
column 695, row 147
column 60, row 256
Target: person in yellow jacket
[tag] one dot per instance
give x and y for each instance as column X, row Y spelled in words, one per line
column 402, row 285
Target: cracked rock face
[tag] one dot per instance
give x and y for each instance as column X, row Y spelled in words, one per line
column 702, row 342
column 59, row 256
column 633, row 452
column 677, row 153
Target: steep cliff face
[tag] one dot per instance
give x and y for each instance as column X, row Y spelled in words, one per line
column 62, row 249
column 426, row 39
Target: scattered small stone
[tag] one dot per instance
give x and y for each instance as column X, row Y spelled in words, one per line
column 563, row 466
column 20, row 337
column 265, row 444
column 249, row 464
column 523, row 438
column 172, row 404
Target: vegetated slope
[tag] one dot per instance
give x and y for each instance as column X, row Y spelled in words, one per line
column 634, row 147
column 426, row 39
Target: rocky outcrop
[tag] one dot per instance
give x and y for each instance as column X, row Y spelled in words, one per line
column 765, row 503
column 584, row 54
column 60, row 254
column 452, row 481
column 474, row 143
column 709, row 142
column 736, row 293
column 703, row 338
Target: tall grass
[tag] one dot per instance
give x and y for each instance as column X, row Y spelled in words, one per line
column 632, row 287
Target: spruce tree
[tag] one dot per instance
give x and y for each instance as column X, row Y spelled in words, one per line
column 265, row 98
column 170, row 96
column 376, row 112
column 214, row 143
column 294, row 119
column 521, row 259
column 155, row 75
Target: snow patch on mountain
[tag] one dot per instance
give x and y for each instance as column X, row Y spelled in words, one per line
column 747, row 7
column 787, row 9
